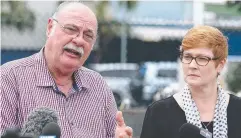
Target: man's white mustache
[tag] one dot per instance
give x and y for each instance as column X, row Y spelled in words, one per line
column 77, row 49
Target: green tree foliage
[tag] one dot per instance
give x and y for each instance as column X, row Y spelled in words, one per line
column 17, row 14
column 234, row 78
column 102, row 15
column 109, row 28
column 234, row 4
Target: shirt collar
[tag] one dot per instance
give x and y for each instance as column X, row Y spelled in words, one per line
column 80, row 78
column 44, row 77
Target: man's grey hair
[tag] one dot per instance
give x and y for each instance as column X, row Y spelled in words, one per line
column 66, row 3
column 63, row 5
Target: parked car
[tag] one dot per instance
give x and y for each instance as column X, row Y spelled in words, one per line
column 239, row 94
column 158, row 75
column 119, row 77
column 167, row 91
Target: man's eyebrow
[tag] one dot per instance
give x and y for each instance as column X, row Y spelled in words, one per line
column 90, row 31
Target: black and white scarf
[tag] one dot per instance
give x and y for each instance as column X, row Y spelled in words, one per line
column 185, row 101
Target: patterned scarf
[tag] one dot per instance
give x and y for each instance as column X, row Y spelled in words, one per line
column 220, row 116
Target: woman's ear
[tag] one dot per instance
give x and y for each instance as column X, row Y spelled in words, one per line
column 221, row 65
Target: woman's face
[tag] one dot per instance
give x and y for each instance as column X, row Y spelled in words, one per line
column 201, row 71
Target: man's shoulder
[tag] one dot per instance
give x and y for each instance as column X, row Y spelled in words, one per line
column 89, row 72
column 14, row 65
column 89, row 75
column 85, row 69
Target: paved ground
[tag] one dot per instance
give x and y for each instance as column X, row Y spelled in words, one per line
column 134, row 118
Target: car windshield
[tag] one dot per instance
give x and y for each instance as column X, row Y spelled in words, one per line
column 119, row 73
column 167, row 73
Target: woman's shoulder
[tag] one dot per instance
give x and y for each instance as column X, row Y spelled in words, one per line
column 235, row 101
column 233, row 116
column 166, row 108
column 166, row 103
column 234, row 107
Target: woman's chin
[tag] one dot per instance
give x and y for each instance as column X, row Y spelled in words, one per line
column 193, row 82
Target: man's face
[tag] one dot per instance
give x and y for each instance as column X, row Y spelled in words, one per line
column 203, row 74
column 71, row 36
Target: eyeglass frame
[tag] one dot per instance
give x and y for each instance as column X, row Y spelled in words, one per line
column 64, row 27
column 209, row 59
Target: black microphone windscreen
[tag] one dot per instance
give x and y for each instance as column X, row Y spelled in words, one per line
column 188, row 130
column 51, row 129
column 37, row 119
column 28, row 135
column 11, row 133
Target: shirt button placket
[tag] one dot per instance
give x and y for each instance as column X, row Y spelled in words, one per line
column 67, row 112
column 70, row 118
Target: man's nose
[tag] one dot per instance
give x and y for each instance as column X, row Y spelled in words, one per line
column 79, row 40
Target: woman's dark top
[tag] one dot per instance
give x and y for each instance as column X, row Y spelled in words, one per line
column 164, row 118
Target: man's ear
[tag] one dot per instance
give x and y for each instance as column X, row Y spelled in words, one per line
column 50, row 28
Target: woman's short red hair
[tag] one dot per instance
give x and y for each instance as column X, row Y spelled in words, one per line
column 208, row 37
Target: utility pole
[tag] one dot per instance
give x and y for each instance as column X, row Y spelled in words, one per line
column 198, row 19
column 123, row 37
column 198, row 12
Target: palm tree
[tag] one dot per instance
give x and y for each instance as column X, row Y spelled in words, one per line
column 17, row 14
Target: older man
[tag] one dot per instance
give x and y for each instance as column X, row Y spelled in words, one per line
column 55, row 78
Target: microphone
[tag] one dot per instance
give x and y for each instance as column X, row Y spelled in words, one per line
column 36, row 121
column 188, row 130
column 51, row 129
column 11, row 133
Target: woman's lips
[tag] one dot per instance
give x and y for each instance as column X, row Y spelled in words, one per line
column 194, row 75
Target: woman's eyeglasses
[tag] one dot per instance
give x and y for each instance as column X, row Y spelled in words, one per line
column 200, row 60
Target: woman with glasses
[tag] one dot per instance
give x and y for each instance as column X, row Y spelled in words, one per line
column 202, row 102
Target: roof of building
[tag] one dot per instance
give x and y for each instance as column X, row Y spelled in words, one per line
column 147, row 29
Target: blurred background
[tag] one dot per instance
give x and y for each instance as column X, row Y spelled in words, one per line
column 137, row 45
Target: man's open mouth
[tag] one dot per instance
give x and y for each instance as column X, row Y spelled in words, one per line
column 73, row 52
